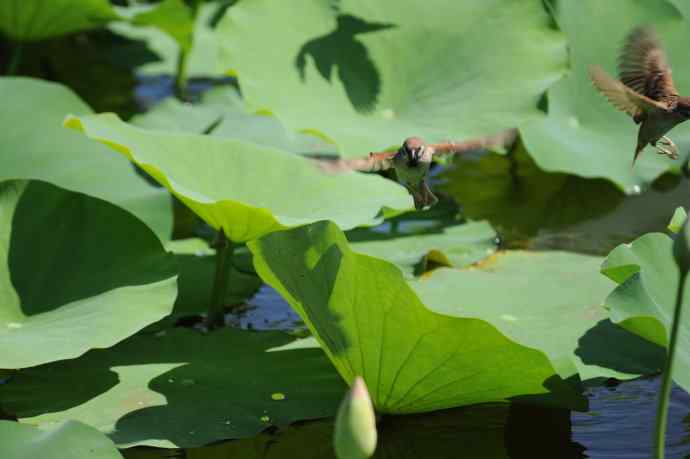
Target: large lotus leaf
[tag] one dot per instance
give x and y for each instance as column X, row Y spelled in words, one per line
column 166, row 35
column 181, row 388
column 550, row 301
column 86, row 274
column 371, row 323
column 455, row 246
column 222, row 112
column 70, row 440
column 368, row 74
column 583, row 134
column 246, row 189
column 33, row 145
column 645, row 298
column 27, row 20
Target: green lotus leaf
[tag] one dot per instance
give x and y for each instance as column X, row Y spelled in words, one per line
column 173, row 17
column 78, row 273
column 181, row 388
column 221, row 180
column 455, row 246
column 65, row 158
column 369, row 74
column 551, row 301
column 583, row 134
column 371, row 323
column 645, row 298
column 172, row 31
column 70, row 440
column 678, row 219
column 29, row 20
column 222, row 111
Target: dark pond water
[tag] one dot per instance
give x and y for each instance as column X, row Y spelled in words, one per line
column 530, row 209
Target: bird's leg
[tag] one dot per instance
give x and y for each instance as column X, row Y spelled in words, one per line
column 672, row 153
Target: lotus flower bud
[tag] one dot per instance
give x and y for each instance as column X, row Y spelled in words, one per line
column 355, row 425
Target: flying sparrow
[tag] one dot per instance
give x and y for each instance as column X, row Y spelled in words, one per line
column 413, row 159
column 645, row 91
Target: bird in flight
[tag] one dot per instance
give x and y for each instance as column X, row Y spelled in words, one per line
column 645, row 91
column 413, row 159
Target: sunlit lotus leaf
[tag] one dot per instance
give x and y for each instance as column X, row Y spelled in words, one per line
column 247, row 189
column 27, row 20
column 173, row 17
column 645, row 298
column 455, row 246
column 34, row 145
column 371, row 323
column 583, row 134
column 70, row 440
column 182, row 388
column 552, row 301
column 77, row 273
column 222, row 112
column 369, row 74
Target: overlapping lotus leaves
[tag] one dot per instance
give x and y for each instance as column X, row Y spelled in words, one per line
column 33, row 145
column 371, row 323
column 454, row 246
column 29, row 20
column 645, row 298
column 219, row 180
column 369, row 74
column 70, row 440
column 583, row 134
column 172, row 32
column 551, row 301
column 78, row 273
column 222, row 111
column 181, row 388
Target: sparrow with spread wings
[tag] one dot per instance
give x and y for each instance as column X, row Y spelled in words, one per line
column 645, row 91
column 413, row 160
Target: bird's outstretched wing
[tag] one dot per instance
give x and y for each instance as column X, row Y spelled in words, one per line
column 372, row 163
column 643, row 67
column 621, row 96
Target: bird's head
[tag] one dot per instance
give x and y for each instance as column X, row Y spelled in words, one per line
column 411, row 150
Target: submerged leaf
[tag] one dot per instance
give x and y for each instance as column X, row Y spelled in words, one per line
column 221, row 180
column 84, row 274
column 369, row 74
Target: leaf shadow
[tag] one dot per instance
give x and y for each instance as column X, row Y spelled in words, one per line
column 341, row 50
column 611, row 346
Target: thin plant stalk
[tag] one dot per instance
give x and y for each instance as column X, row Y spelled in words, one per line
column 181, row 76
column 224, row 254
column 667, row 382
column 16, row 59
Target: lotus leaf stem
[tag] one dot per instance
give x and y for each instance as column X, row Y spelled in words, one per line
column 224, row 253
column 16, row 59
column 667, row 382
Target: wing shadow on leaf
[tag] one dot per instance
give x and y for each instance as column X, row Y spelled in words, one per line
column 610, row 346
column 341, row 49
